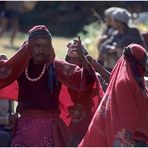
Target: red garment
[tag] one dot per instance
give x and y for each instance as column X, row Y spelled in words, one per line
column 70, row 75
column 88, row 98
column 122, row 115
column 80, row 108
column 10, row 92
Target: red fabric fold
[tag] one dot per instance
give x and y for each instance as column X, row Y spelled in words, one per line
column 16, row 65
column 122, row 113
column 93, row 93
column 10, row 92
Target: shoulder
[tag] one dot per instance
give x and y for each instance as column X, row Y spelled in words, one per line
column 59, row 61
column 134, row 30
column 65, row 67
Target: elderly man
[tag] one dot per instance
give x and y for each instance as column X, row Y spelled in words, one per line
column 39, row 78
column 107, row 32
column 124, row 36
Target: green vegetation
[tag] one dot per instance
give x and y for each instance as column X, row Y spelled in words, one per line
column 90, row 36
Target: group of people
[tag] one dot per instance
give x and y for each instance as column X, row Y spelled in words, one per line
column 117, row 35
column 62, row 103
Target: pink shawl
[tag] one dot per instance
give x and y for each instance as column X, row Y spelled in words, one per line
column 121, row 116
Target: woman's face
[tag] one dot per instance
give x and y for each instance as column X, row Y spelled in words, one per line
column 41, row 49
column 73, row 57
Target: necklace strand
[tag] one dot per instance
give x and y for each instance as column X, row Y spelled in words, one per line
column 35, row 79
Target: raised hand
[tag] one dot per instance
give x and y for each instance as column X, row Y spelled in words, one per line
column 82, row 57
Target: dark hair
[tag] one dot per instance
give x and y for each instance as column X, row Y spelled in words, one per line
column 67, row 58
column 134, row 62
column 40, row 33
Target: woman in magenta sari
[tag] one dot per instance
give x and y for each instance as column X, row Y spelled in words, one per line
column 39, row 76
column 122, row 116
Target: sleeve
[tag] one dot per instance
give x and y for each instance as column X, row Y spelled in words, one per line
column 10, row 70
column 70, row 75
column 90, row 76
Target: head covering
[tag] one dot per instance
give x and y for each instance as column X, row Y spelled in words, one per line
column 137, row 63
column 121, row 116
column 121, row 15
column 72, row 51
column 39, row 31
column 109, row 11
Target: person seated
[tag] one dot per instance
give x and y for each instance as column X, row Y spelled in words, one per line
column 123, row 36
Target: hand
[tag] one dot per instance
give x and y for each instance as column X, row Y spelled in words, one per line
column 83, row 59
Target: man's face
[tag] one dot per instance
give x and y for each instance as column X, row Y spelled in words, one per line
column 41, row 49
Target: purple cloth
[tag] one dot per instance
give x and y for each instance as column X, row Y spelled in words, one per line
column 34, row 132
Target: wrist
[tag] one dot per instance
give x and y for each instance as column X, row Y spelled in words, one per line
column 95, row 64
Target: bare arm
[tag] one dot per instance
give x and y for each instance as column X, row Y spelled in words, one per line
column 99, row 68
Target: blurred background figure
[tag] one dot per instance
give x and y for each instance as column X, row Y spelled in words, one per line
column 10, row 15
column 123, row 36
column 107, row 32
